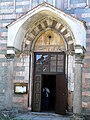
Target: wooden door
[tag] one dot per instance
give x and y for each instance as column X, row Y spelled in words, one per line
column 37, row 93
column 61, row 94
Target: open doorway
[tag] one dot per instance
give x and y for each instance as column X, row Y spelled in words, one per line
column 49, row 81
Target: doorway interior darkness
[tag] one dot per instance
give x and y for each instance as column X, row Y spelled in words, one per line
column 50, row 82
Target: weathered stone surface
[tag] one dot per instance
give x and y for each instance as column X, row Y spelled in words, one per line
column 9, row 11
column 22, row 68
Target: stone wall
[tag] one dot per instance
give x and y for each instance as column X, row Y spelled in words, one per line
column 20, row 75
column 84, row 14
column 10, row 10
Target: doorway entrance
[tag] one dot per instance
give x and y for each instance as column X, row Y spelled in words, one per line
column 49, row 71
column 57, row 99
column 49, row 81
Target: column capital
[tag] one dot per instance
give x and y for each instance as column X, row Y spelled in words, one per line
column 10, row 54
column 79, row 58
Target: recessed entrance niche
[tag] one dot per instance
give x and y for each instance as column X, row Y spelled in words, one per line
column 49, row 62
column 49, row 70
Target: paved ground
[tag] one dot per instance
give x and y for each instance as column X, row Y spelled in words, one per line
column 41, row 116
column 28, row 115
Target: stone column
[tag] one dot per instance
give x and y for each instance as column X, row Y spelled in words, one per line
column 31, row 78
column 77, row 101
column 8, row 92
column 70, row 81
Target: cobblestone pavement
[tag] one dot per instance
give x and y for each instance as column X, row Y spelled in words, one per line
column 40, row 116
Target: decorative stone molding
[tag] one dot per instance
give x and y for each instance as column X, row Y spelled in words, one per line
column 79, row 53
column 70, row 52
column 79, row 56
column 18, row 29
column 10, row 54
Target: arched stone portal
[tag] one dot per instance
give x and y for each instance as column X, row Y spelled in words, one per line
column 25, row 34
column 49, row 63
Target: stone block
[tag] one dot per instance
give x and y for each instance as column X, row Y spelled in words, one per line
column 85, row 85
column 19, row 64
column 85, row 98
column 17, row 68
column 88, row 24
column 88, row 44
column 17, row 60
column 18, row 105
column 3, row 41
column 19, row 10
column 20, row 101
column 20, row 73
column 87, row 80
column 85, row 65
column 86, row 70
column 17, row 99
column 86, row 94
column 1, row 107
column 9, row 16
column 88, row 105
column 88, row 35
column 4, row 63
column 2, row 56
column 78, row 5
column 3, row 48
column 84, row 15
column 2, row 98
column 3, row 29
column 77, row 1
column 20, row 2
column 19, row 77
column 7, row 11
column 20, row 81
column 87, row 75
column 7, row 3
column 87, row 60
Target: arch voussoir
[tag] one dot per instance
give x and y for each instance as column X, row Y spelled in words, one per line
column 61, row 28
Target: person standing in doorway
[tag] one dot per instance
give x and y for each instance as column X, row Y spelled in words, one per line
column 46, row 94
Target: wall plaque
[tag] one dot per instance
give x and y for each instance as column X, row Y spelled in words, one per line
column 20, row 88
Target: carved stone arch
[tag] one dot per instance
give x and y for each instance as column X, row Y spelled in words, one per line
column 43, row 26
column 42, row 32
column 17, row 38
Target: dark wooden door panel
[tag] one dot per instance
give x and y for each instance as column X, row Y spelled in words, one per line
column 61, row 93
column 37, row 93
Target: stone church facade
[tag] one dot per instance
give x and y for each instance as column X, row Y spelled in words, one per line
column 45, row 42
